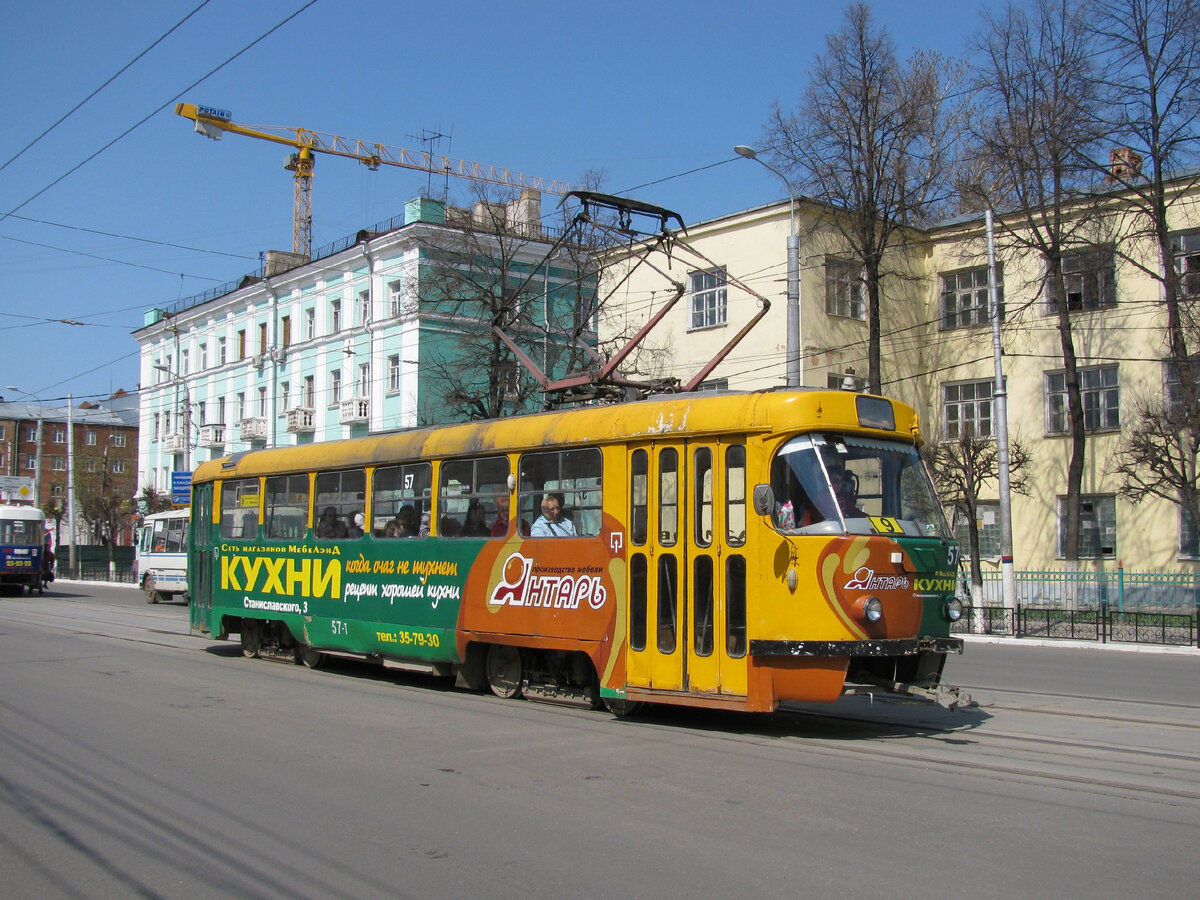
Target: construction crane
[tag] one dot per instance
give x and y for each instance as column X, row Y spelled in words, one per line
column 213, row 123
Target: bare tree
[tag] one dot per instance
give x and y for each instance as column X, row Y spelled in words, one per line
column 961, row 469
column 104, row 498
column 488, row 266
column 1151, row 85
column 876, row 139
column 1037, row 130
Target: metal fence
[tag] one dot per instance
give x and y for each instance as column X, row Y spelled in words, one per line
column 1139, row 607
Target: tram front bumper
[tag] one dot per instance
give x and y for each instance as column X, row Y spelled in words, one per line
column 882, row 647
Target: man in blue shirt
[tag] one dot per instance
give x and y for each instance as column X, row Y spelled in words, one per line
column 551, row 523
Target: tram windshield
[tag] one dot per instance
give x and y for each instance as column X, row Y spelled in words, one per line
column 826, row 483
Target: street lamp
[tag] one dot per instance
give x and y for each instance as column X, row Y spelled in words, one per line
column 793, row 272
column 179, row 382
column 37, row 470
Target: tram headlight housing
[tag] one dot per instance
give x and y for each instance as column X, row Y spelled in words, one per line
column 954, row 609
column 870, row 608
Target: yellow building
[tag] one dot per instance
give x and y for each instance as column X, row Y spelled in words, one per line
column 937, row 353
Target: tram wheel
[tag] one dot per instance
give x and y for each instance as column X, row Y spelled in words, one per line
column 251, row 638
column 504, row 671
column 308, row 657
column 623, row 708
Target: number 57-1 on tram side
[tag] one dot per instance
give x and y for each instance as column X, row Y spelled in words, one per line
column 735, row 550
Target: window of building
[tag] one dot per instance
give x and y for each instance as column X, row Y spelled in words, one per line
column 362, row 388
column 1089, row 280
column 1186, row 247
column 57, row 490
column 335, row 386
column 395, row 298
column 220, row 411
column 202, row 359
column 201, row 412
column 157, row 425
column 335, row 316
column 117, row 440
column 1097, row 526
column 310, row 323
column 59, row 435
column 221, row 358
column 393, row 376
column 965, row 298
column 364, row 307
column 713, row 384
column 571, row 476
column 117, row 467
column 240, row 405
column 262, row 338
column 987, row 519
column 31, row 433
column 706, row 299
column 184, row 358
column 58, row 463
column 241, row 344
column 1189, row 535
column 166, row 423
column 89, row 438
column 309, row 391
column 1100, row 392
column 262, row 401
column 401, row 500
column 285, row 327
column 285, row 396
column 967, row 410
column 29, row 461
column 844, row 289
column 836, row 381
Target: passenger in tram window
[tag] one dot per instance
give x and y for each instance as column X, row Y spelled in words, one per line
column 330, row 527
column 408, row 524
column 500, row 526
column 355, row 528
column 552, row 523
column 475, row 526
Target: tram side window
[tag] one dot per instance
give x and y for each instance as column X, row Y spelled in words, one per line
column 668, row 497
column 285, row 507
column 667, row 615
column 239, row 509
column 735, row 606
column 473, row 498
column 637, row 601
column 703, row 501
column 401, row 500
column 170, row 536
column 339, row 504
column 639, row 496
column 702, row 606
column 735, row 495
column 574, row 476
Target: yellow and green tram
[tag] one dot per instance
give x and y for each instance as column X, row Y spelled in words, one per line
column 724, row 550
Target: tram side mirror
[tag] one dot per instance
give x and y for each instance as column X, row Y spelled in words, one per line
column 764, row 499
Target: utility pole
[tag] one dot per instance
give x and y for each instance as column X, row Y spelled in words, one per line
column 1000, row 414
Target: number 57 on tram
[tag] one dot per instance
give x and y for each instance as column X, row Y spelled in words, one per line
column 733, row 550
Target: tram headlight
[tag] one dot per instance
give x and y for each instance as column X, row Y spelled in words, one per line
column 870, row 608
column 954, row 609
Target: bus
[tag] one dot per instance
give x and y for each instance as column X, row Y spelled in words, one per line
column 161, row 557
column 703, row 554
column 22, row 543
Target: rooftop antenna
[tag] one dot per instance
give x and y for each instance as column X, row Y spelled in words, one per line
column 428, row 138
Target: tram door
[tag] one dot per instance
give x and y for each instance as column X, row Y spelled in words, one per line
column 687, row 507
column 200, row 556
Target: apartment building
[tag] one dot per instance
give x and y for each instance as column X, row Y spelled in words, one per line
column 936, row 343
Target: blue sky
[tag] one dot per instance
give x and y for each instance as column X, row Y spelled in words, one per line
column 653, row 94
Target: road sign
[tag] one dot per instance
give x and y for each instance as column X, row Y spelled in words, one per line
column 19, row 487
column 181, row 488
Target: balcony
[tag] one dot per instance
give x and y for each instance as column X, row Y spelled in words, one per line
column 253, row 429
column 173, row 443
column 212, row 436
column 300, row 420
column 354, row 411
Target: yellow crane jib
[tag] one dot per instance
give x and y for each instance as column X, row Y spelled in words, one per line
column 213, row 123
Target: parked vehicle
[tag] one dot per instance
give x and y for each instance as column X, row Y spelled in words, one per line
column 22, row 543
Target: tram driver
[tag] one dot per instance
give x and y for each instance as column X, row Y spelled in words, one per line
column 552, row 523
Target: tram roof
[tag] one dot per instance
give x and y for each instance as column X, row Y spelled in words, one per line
column 675, row 415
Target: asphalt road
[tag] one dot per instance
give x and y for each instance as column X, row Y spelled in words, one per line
column 137, row 760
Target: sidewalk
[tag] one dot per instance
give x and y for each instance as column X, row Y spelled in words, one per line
column 1118, row 646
